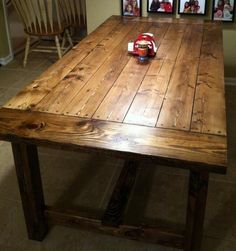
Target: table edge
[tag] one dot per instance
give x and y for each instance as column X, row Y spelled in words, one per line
column 34, row 128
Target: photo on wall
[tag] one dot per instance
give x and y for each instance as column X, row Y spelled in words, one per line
column 223, row 10
column 160, row 6
column 131, row 8
column 192, row 7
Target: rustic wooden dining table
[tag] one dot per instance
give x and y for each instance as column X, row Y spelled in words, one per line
column 99, row 99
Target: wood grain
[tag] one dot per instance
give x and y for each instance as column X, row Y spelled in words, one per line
column 187, row 150
column 177, row 108
column 117, row 102
column 153, row 234
column 147, row 103
column 99, row 99
column 209, row 103
column 55, row 101
column 95, row 81
column 159, row 30
column 30, row 184
column 197, row 196
column 190, row 48
column 39, row 88
column 169, row 20
column 115, row 210
column 92, row 94
column 171, row 42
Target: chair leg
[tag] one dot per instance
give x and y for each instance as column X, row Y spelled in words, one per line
column 27, row 47
column 58, row 46
column 69, row 38
column 63, row 41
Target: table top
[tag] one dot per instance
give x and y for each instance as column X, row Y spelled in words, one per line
column 171, row 109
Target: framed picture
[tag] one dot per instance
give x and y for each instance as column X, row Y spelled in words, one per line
column 131, row 8
column 223, row 10
column 160, row 6
column 192, row 7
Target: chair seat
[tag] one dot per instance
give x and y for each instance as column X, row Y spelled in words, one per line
column 36, row 31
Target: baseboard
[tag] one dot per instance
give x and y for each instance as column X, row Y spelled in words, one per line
column 230, row 81
column 6, row 60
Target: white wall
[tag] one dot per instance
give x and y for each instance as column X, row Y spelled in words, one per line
column 99, row 10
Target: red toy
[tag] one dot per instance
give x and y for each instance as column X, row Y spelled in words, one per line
column 149, row 38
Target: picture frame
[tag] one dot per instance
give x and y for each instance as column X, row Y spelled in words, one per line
column 192, row 7
column 161, row 6
column 131, row 8
column 223, row 10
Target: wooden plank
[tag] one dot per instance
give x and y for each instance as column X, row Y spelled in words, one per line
column 197, row 196
column 209, row 114
column 33, row 93
column 159, row 30
column 148, row 101
column 177, row 107
column 151, row 234
column 156, row 66
column 30, row 184
column 209, row 111
column 178, row 104
column 116, row 104
column 115, row 210
column 191, row 43
column 165, row 19
column 91, row 95
column 58, row 99
column 169, row 147
column 171, row 42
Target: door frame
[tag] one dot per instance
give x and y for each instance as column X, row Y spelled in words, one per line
column 10, row 56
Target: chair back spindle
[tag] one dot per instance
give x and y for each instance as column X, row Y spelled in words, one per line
column 74, row 11
column 50, row 18
column 40, row 16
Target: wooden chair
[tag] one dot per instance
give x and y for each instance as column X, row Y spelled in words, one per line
column 74, row 12
column 43, row 18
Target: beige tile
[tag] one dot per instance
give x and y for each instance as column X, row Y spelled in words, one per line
column 15, row 78
column 36, row 62
column 6, row 94
column 2, row 92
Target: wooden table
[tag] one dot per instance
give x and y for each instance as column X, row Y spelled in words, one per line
column 99, row 99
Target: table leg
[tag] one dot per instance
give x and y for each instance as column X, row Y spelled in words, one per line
column 198, row 184
column 30, row 184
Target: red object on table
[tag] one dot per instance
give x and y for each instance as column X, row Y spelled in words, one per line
column 151, row 44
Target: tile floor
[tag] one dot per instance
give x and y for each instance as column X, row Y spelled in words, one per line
column 66, row 178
